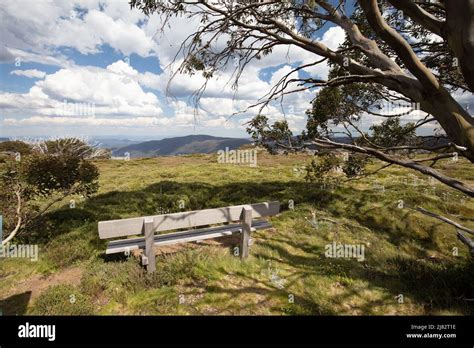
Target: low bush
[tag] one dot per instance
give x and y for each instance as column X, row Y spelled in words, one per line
column 116, row 279
column 63, row 300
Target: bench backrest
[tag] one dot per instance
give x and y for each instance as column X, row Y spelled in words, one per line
column 166, row 222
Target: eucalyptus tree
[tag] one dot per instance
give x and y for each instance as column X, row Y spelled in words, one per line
column 419, row 52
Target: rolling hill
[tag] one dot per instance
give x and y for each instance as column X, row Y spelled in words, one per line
column 180, row 146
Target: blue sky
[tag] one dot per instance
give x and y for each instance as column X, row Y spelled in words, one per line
column 97, row 68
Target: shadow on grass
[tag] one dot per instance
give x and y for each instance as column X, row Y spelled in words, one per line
column 16, row 304
column 165, row 196
column 57, row 223
column 436, row 286
column 224, row 307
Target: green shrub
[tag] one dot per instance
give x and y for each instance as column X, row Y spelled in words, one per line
column 64, row 251
column 112, row 278
column 118, row 279
column 321, row 169
column 41, row 179
column 355, row 165
column 14, row 146
column 63, row 300
column 79, row 245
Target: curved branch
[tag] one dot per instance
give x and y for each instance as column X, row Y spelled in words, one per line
column 454, row 183
column 460, row 34
column 398, row 43
column 466, row 240
column 463, row 238
column 19, row 220
column 420, row 16
column 444, row 219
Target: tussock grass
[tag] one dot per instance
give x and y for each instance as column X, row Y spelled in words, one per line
column 62, row 300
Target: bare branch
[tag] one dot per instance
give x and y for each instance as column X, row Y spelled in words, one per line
column 454, row 183
column 19, row 218
column 398, row 43
column 420, row 16
column 444, row 219
column 466, row 240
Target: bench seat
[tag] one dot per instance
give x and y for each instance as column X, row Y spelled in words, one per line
column 189, row 226
column 124, row 245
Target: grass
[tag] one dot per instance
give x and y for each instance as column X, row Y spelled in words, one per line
column 63, row 300
column 287, row 273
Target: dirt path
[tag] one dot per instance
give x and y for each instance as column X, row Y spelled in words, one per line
column 37, row 283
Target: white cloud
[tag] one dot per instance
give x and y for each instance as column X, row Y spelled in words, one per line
column 42, row 26
column 126, row 37
column 104, row 87
column 96, row 28
column 75, row 95
column 35, row 32
column 18, row 57
column 332, row 38
column 31, row 73
column 87, row 121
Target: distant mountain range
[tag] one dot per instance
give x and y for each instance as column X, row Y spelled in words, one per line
column 192, row 144
column 180, row 146
column 112, row 143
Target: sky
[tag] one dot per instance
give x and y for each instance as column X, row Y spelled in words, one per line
column 97, row 68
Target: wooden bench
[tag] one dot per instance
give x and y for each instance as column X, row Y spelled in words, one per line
column 237, row 220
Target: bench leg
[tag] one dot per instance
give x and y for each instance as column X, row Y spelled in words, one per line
column 246, row 220
column 149, row 242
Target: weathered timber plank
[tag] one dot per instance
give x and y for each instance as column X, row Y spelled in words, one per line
column 124, row 245
column 149, row 241
column 246, row 221
column 166, row 222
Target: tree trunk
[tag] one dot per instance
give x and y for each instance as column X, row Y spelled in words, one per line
column 459, row 31
column 456, row 121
